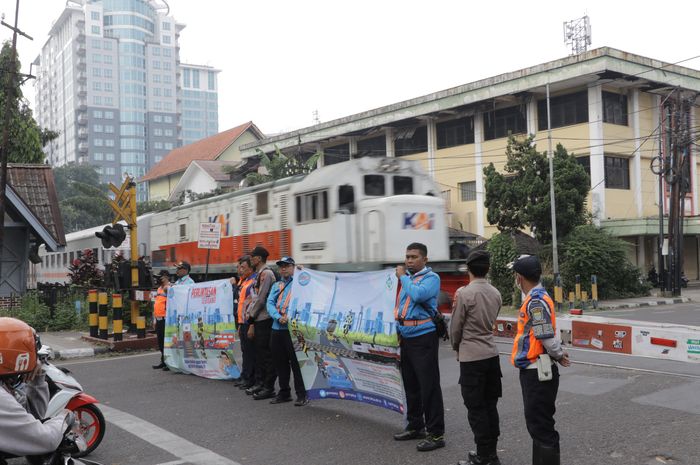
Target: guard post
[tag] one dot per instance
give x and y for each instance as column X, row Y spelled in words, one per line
column 92, row 315
column 558, row 293
column 572, row 296
column 117, row 316
column 102, row 310
column 578, row 287
column 141, row 327
column 594, row 290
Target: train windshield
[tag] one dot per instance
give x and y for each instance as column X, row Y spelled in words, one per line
column 374, row 185
column 403, row 185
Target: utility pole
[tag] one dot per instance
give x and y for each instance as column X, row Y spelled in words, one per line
column 550, row 157
column 10, row 79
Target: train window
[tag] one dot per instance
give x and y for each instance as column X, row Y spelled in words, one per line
column 346, row 198
column 312, row 207
column 374, row 184
column 72, row 257
column 262, row 206
column 403, row 185
column 183, row 231
column 65, row 258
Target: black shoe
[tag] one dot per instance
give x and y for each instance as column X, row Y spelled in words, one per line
column 280, row 400
column 542, row 455
column 475, row 459
column 245, row 386
column 409, row 434
column 160, row 366
column 264, row 394
column 431, row 442
column 254, row 389
column 301, row 401
column 165, row 368
column 237, row 382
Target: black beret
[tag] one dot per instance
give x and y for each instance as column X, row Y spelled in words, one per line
column 529, row 266
column 481, row 257
column 260, row 252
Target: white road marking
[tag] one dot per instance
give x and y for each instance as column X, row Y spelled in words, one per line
column 174, row 462
column 106, row 359
column 180, row 447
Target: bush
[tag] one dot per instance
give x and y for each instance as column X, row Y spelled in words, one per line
column 501, row 246
column 589, row 250
column 37, row 314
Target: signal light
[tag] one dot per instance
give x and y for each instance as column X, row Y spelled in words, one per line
column 112, row 235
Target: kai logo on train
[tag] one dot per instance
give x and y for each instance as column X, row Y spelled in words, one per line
column 418, row 220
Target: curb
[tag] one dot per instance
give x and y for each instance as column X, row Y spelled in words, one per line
column 652, row 303
column 79, row 353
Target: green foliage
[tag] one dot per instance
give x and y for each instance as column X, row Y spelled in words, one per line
column 501, row 246
column 26, row 139
column 37, row 314
column 520, row 196
column 589, row 250
column 82, row 198
column 84, row 271
column 281, row 166
column 152, row 206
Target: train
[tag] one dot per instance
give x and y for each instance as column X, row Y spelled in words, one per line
column 357, row 215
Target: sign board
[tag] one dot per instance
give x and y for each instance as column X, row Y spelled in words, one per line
column 209, row 236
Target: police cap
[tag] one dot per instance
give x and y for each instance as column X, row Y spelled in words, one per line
column 528, row 266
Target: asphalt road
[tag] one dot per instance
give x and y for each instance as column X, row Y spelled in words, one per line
column 606, row 415
column 679, row 314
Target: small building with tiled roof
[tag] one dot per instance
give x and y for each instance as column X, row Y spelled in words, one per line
column 224, row 146
column 205, row 176
column 33, row 218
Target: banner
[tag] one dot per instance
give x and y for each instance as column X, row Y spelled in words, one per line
column 344, row 334
column 200, row 330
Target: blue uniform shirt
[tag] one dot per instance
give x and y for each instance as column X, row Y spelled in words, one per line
column 284, row 287
column 185, row 280
column 423, row 296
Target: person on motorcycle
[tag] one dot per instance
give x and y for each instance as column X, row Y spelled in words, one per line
column 24, row 395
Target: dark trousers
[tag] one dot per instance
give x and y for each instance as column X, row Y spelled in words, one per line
column 539, row 398
column 481, row 387
column 248, row 352
column 160, row 334
column 285, row 360
column 264, row 369
column 421, row 380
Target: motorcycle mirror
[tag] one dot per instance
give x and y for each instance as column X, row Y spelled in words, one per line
column 46, row 351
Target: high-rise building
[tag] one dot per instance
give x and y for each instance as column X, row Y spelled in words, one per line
column 200, row 106
column 108, row 80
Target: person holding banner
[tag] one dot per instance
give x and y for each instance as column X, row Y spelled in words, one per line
column 281, row 345
column 474, row 312
column 245, row 287
column 261, row 327
column 159, row 311
column 182, row 270
column 536, row 345
column 416, row 304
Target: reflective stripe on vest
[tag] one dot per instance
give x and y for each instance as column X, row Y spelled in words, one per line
column 283, row 308
column 404, row 310
column 526, row 347
column 242, row 294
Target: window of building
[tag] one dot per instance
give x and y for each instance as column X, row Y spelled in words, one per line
column 312, row 206
column 96, row 58
column 158, row 145
column 585, row 161
column 97, row 128
column 108, row 73
column 186, row 77
column 183, row 231
column 211, row 80
column 110, row 170
column 157, row 159
column 95, row 29
column 195, row 78
column 374, row 147
column 167, row 79
column 96, row 86
column 157, row 118
column 156, row 91
column 96, row 43
column 96, row 114
column 374, row 185
column 109, row 115
column 156, row 78
column 109, row 129
column 500, row 123
column 107, row 59
column 167, row 119
column 346, row 198
column 108, row 87
column 109, row 156
column 566, row 110
column 109, row 143
column 155, row 51
column 169, row 132
column 455, row 132
column 168, row 146
column 96, row 72
column 403, row 185
column 99, row 142
column 262, row 201
column 615, row 108
column 166, row 26
column 157, row 132
column 167, row 66
column 97, row 156
column 157, row 105
column 95, row 15
column 107, row 45
column 166, row 38
column 617, row 172
column 109, row 101
column 467, row 191
column 156, row 64
column 167, row 52
column 411, row 140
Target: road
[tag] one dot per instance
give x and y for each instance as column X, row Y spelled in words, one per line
column 680, row 314
column 647, row 413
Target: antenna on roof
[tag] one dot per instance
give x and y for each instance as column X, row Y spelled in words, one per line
column 317, row 120
column 577, row 34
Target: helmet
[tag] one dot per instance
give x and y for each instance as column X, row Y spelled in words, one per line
column 18, row 347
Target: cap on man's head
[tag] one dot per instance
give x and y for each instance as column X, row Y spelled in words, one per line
column 285, row 261
column 184, row 265
column 529, row 266
column 481, row 257
column 260, row 252
column 163, row 273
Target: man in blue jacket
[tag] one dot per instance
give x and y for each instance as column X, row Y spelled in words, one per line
column 415, row 307
column 283, row 355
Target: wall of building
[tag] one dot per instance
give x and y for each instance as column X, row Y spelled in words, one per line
column 160, row 189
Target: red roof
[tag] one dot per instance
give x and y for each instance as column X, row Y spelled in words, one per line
column 206, row 149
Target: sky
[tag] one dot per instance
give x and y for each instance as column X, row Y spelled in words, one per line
column 283, row 60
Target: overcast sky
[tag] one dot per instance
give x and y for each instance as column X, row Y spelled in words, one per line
column 282, row 60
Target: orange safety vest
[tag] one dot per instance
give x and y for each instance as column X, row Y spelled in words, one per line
column 160, row 304
column 283, row 308
column 526, row 347
column 406, row 303
column 242, row 293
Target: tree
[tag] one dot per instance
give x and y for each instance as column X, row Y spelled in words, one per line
column 519, row 197
column 82, row 198
column 281, row 166
column 152, row 206
column 26, row 139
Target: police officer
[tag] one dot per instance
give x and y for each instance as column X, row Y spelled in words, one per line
column 474, row 312
column 536, row 336
column 416, row 305
column 244, row 283
column 159, row 313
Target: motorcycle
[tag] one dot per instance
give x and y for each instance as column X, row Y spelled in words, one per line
column 66, row 393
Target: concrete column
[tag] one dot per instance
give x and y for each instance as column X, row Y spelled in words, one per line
column 641, row 253
column 322, row 159
column 531, row 113
column 597, row 157
column 693, row 168
column 432, row 146
column 352, row 143
column 479, row 172
column 637, row 160
column 389, row 133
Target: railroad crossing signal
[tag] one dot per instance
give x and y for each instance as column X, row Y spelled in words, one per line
column 112, row 235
